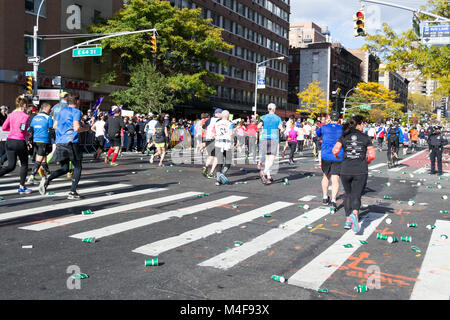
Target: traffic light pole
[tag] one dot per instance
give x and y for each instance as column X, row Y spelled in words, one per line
column 35, row 42
column 416, row 11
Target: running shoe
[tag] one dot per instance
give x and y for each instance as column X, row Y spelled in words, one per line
column 30, row 180
column 223, row 178
column 263, row 177
column 106, row 160
column 25, row 190
column 73, row 196
column 114, row 164
column 348, row 224
column 43, row 185
column 211, row 176
column 326, row 201
column 161, row 165
column 355, row 224
column 334, row 205
column 204, row 172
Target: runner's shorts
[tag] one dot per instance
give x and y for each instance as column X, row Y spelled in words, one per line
column 100, row 142
column 331, row 167
column 115, row 142
column 67, row 151
column 269, row 147
column 43, row 149
column 211, row 148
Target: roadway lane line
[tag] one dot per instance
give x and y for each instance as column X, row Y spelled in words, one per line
column 77, row 203
column 233, row 256
column 105, row 212
column 315, row 273
column 434, row 276
column 145, row 221
column 155, row 248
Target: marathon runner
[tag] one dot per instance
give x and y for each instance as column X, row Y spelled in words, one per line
column 160, row 135
column 271, row 126
column 358, row 152
column 223, row 134
column 41, row 126
column 114, row 125
column 210, row 148
column 99, row 128
column 16, row 147
column 67, row 126
column 394, row 138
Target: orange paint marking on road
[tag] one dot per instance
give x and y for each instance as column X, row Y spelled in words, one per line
column 271, row 253
column 401, row 212
column 384, row 231
column 297, row 247
column 342, row 293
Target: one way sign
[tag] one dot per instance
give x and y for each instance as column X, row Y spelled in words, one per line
column 33, row 59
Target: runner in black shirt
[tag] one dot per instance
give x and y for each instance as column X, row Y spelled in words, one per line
column 113, row 126
column 358, row 152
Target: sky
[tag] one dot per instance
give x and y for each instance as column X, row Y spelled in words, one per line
column 338, row 16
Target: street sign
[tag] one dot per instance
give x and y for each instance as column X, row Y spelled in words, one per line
column 29, row 74
column 439, row 34
column 261, row 77
column 364, row 107
column 33, row 59
column 87, row 52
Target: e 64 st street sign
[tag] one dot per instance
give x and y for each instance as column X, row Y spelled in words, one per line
column 87, row 52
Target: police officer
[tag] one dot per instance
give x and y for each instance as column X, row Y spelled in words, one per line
column 436, row 143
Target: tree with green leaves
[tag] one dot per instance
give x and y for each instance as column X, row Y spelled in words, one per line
column 405, row 51
column 148, row 91
column 185, row 43
column 380, row 98
column 314, row 100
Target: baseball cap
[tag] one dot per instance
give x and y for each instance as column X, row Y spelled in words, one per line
column 334, row 116
column 63, row 94
column 4, row 108
column 218, row 110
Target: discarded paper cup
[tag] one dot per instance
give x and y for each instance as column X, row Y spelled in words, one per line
column 267, row 215
column 381, row 236
column 411, row 202
column 388, row 221
column 429, row 227
column 412, row 225
column 415, row 249
column 443, row 211
column 444, row 197
column 89, row 240
column 28, row 246
column 444, row 237
column 406, row 238
column 86, row 212
column 392, row 239
column 238, row 243
column 348, row 245
column 79, row 276
column 279, row 278
column 324, row 290
column 361, row 288
column 151, row 262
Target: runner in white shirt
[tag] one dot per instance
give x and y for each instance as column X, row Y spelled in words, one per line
column 307, row 130
column 223, row 134
column 99, row 128
column 149, row 129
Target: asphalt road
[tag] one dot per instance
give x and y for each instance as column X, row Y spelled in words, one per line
column 173, row 213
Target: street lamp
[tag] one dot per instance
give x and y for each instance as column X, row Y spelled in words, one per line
column 256, row 80
column 345, row 99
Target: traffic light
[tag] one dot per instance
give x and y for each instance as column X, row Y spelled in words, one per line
column 30, row 85
column 360, row 29
column 153, row 44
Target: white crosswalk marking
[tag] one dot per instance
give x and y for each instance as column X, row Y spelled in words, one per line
column 434, row 276
column 16, row 183
column 307, row 198
column 64, row 194
column 397, row 168
column 50, row 187
column 105, row 212
column 136, row 223
column 233, row 256
column 316, row 272
column 155, row 248
column 71, row 204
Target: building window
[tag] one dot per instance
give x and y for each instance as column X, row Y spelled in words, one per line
column 32, row 6
column 28, row 45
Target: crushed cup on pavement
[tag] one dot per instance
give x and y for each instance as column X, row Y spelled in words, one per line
column 79, row 276
column 86, row 212
column 279, row 278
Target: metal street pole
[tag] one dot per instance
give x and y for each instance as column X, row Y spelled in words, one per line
column 345, row 99
column 35, row 51
column 256, row 80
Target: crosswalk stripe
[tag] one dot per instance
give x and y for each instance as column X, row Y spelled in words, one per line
column 77, row 203
column 136, row 223
column 14, row 184
column 232, row 257
column 50, row 187
column 307, row 198
column 420, row 171
column 316, row 272
column 64, row 194
column 397, row 168
column 155, row 248
column 434, row 276
column 105, row 212
column 376, row 166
